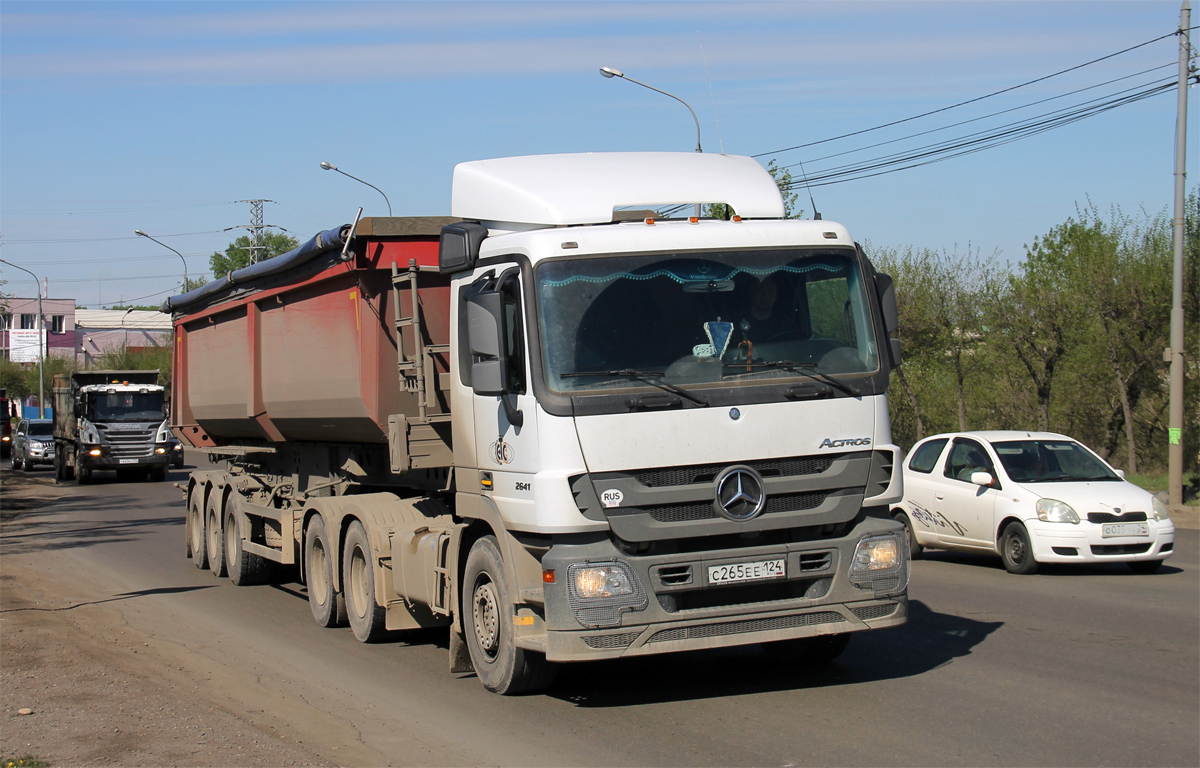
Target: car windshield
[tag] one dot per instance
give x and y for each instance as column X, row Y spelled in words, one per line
column 41, row 428
column 1051, row 461
column 128, row 406
column 723, row 318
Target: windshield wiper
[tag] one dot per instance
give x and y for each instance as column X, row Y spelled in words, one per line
column 653, row 378
column 804, row 369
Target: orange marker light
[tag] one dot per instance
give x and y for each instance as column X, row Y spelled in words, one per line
column 737, row 218
column 649, row 222
column 693, row 219
column 547, row 577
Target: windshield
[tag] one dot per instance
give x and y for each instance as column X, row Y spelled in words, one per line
column 1051, row 461
column 722, row 317
column 41, row 428
column 128, row 406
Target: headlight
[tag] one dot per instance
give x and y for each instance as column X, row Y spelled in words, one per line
column 880, row 563
column 602, row 581
column 599, row 593
column 1054, row 511
column 1160, row 510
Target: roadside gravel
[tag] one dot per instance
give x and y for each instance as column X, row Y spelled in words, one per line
column 100, row 692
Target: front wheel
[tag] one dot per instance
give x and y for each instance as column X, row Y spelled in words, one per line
column 83, row 475
column 914, row 549
column 488, row 618
column 1016, row 551
column 367, row 618
column 158, row 473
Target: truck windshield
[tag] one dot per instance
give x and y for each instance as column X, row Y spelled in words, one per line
column 128, row 406
column 724, row 318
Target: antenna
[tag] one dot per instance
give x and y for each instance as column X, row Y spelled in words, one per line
column 803, row 175
column 711, row 97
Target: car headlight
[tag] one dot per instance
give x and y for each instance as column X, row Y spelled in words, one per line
column 599, row 593
column 1054, row 511
column 880, row 563
column 602, row 581
column 1161, row 512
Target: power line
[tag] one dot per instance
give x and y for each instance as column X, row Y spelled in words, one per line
column 65, row 240
column 968, row 101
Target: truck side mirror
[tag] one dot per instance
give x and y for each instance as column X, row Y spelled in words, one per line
column 486, row 331
column 885, row 288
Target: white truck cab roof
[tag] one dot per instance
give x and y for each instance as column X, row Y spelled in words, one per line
column 585, row 188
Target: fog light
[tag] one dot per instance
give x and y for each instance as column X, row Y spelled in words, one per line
column 160, row 450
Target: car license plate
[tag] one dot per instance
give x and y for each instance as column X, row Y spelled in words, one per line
column 757, row 571
column 1125, row 529
column 128, row 461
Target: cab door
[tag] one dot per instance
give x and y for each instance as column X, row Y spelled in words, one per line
column 504, row 407
column 966, row 508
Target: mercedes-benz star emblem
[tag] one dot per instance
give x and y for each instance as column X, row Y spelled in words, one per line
column 740, row 494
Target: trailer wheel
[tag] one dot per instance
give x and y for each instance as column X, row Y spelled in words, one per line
column 488, row 613
column 213, row 537
column 367, row 617
column 244, row 568
column 195, row 527
column 328, row 607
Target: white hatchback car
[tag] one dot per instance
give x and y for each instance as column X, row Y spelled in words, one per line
column 1031, row 497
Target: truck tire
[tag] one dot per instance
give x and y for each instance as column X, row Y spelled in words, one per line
column 197, row 544
column 158, row 473
column 244, row 568
column 328, row 607
column 367, row 618
column 213, row 539
column 487, row 614
column 821, row 649
column 83, row 475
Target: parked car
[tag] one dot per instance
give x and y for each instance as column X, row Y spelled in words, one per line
column 33, row 443
column 1030, row 497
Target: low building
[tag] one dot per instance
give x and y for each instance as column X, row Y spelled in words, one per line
column 20, row 315
column 98, row 331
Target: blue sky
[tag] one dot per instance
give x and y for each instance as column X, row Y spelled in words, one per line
column 160, row 115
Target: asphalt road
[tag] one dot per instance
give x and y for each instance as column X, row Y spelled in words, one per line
column 1068, row 667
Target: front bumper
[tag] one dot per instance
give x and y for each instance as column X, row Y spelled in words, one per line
column 107, row 460
column 39, row 455
column 1085, row 543
column 680, row 611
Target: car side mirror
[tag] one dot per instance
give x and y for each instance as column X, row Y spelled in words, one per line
column 982, row 478
column 486, row 332
column 1120, row 473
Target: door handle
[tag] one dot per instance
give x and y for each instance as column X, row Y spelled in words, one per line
column 940, row 496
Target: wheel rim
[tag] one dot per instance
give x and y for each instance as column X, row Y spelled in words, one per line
column 486, row 615
column 358, row 583
column 230, row 540
column 214, row 536
column 318, row 572
column 1016, row 549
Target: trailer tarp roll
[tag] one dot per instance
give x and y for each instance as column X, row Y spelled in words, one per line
column 322, row 243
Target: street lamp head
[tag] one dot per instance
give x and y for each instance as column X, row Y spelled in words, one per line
column 610, row 72
column 328, row 166
column 140, row 233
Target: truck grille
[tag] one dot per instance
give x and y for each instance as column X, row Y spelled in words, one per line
column 701, row 631
column 875, row 611
column 131, row 444
column 705, row 510
column 668, row 476
column 608, row 642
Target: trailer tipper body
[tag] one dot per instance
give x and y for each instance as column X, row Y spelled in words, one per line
column 562, row 431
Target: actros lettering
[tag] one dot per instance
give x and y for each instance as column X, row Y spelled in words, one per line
column 827, row 443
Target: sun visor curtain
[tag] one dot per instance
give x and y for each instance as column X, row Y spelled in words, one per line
column 322, row 243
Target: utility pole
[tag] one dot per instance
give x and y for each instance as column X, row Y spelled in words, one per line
column 1175, row 351
column 256, row 227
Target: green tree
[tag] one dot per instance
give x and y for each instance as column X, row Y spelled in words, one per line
column 237, row 255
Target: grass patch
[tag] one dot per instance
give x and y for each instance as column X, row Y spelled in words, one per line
column 1155, row 482
column 28, row 761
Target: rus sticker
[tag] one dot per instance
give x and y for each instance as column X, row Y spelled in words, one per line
column 611, row 498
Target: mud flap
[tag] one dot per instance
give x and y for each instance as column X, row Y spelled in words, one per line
column 460, row 655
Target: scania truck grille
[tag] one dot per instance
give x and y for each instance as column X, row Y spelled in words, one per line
column 131, row 445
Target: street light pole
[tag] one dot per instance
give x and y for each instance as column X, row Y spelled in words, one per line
column 332, row 167
column 140, row 233
column 610, row 72
column 41, row 350
column 1175, row 351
